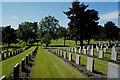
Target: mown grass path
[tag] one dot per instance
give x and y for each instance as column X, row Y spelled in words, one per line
column 48, row 65
column 8, row 65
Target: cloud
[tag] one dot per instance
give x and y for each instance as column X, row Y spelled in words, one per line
column 109, row 16
column 15, row 17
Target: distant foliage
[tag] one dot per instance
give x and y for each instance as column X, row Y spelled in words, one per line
column 46, row 39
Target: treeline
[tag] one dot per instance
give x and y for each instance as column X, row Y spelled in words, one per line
column 83, row 25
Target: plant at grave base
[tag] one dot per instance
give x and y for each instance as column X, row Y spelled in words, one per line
column 46, row 39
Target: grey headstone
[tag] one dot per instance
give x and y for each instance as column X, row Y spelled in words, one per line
column 23, row 64
column 106, row 47
column 105, row 50
column 114, row 55
column 75, row 50
column 77, row 59
column 113, row 71
column 92, row 52
column 90, row 64
column 79, row 50
column 3, row 78
column 85, row 51
column 69, row 49
column 58, row 52
column 113, row 49
column 101, row 47
column 70, row 57
column 65, row 55
column 72, row 49
column 97, row 49
column 101, row 54
column 16, row 72
column 61, row 53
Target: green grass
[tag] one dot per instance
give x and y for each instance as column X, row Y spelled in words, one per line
column 7, row 65
column 48, row 65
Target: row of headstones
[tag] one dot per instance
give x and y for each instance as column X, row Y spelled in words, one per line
column 16, row 67
column 113, row 69
column 114, row 54
column 10, row 54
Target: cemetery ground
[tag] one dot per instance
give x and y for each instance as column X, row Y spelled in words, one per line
column 50, row 65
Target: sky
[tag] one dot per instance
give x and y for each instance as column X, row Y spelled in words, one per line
column 14, row 13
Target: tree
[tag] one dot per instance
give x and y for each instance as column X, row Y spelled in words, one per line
column 8, row 35
column 48, row 25
column 27, row 31
column 82, row 21
column 46, row 39
column 76, row 15
column 62, row 32
column 111, row 31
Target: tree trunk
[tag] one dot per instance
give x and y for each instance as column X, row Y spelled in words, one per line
column 76, row 42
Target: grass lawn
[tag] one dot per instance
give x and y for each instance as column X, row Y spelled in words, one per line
column 48, row 65
column 7, row 65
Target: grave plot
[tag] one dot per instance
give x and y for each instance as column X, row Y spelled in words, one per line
column 7, row 65
column 97, row 66
column 48, row 65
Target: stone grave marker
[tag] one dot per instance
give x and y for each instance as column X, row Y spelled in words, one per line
column 105, row 50
column 70, row 57
column 75, row 50
column 79, row 50
column 101, row 54
column 23, row 65
column 3, row 78
column 114, row 55
column 85, row 51
column 61, row 53
column 113, row 71
column 16, row 72
column 90, row 64
column 72, row 49
column 92, row 52
column 78, row 59
column 65, row 55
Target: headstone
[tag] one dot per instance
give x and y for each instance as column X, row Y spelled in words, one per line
column 92, row 52
column 61, row 53
column 3, row 78
column 97, row 49
column 79, row 50
column 70, row 57
column 85, row 51
column 113, row 49
column 101, row 54
column 16, row 72
column 23, row 64
column 105, row 50
column 65, row 55
column 90, row 64
column 83, row 47
column 114, row 55
column 72, row 49
column 87, row 48
column 113, row 71
column 69, row 49
column 78, row 59
column 58, row 52
column 26, row 59
column 101, row 47
column 106, row 47
column 75, row 50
